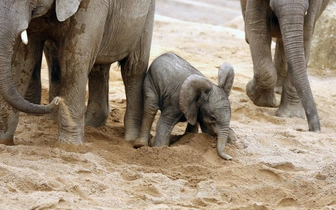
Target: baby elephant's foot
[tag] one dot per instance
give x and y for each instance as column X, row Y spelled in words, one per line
column 155, row 142
column 140, row 142
column 260, row 97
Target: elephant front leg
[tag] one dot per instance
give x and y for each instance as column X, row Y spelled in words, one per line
column 71, row 116
column 98, row 107
column 164, row 127
column 72, row 103
column 290, row 105
column 261, row 88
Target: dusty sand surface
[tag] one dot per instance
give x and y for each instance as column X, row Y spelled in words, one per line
column 277, row 163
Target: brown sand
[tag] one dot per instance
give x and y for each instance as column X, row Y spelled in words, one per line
column 277, row 163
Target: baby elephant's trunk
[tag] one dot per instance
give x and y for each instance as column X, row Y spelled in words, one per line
column 222, row 139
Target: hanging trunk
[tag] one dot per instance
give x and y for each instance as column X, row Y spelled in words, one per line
column 222, row 139
column 291, row 19
column 7, row 88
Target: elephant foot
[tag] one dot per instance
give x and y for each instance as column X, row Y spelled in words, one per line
column 159, row 143
column 73, row 139
column 95, row 122
column 81, row 148
column 290, row 110
column 259, row 96
column 132, row 132
column 129, row 136
column 71, row 135
column 140, row 142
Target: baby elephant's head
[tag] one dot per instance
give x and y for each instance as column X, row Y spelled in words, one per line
column 204, row 102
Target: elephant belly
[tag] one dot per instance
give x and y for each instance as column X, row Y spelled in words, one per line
column 122, row 37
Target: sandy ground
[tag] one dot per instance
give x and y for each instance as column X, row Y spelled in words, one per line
column 277, row 163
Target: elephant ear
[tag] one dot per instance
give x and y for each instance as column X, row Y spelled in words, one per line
column 66, row 8
column 226, row 77
column 192, row 89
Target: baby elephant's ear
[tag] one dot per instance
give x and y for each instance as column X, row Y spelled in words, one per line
column 225, row 77
column 192, row 89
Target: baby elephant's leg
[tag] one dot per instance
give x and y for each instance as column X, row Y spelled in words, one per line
column 150, row 110
column 164, row 127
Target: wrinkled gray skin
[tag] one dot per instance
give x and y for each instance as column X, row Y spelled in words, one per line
column 182, row 93
column 292, row 24
column 83, row 38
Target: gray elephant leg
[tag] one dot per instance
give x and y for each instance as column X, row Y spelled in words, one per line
column 191, row 128
column 77, row 55
column 133, row 73
column 164, row 127
column 150, row 109
column 98, row 107
column 74, row 76
column 72, row 107
column 290, row 105
column 280, row 65
column 133, row 70
column 261, row 88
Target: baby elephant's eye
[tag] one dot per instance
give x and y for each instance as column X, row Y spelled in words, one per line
column 213, row 119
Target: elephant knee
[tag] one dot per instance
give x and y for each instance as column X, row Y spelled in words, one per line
column 266, row 79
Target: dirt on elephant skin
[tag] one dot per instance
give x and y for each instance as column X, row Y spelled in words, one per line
column 277, row 163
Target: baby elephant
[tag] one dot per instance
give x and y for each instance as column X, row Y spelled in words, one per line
column 183, row 93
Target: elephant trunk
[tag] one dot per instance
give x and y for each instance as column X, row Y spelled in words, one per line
column 222, row 139
column 291, row 19
column 8, row 34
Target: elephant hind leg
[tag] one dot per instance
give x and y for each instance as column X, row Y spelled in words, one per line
column 164, row 127
column 150, row 109
column 133, row 71
column 98, row 108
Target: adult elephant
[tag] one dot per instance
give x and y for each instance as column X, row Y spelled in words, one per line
column 292, row 24
column 88, row 37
